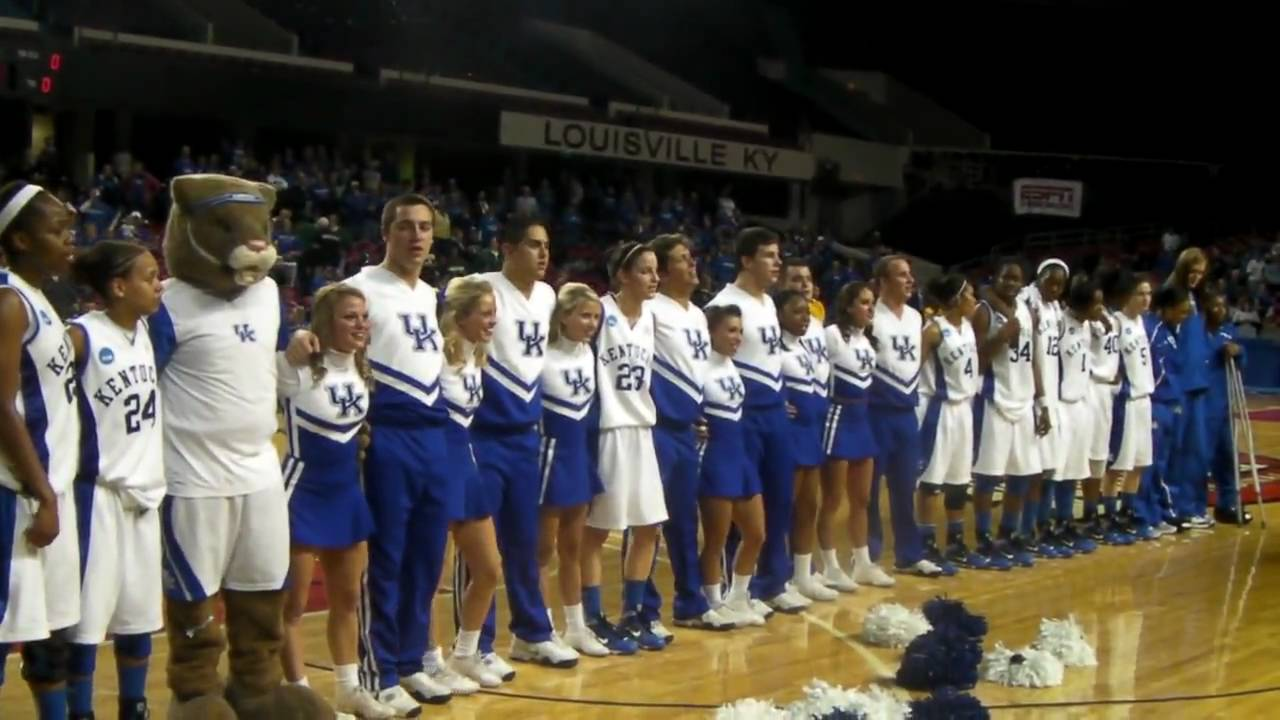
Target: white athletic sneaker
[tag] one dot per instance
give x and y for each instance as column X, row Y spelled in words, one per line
column 400, row 702
column 586, row 643
column 424, row 689
column 836, row 578
column 657, row 628
column 811, row 588
column 872, row 574
column 443, row 674
column 547, row 652
column 761, row 608
column 360, row 703
column 923, row 568
column 473, row 668
column 1165, row 528
column 742, row 613
column 713, row 619
column 500, row 667
column 346, row 716
column 789, row 601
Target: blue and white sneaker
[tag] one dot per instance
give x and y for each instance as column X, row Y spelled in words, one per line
column 1077, row 541
column 958, row 553
column 1020, row 550
column 936, row 557
column 988, row 551
column 642, row 633
column 614, row 638
column 1147, row 533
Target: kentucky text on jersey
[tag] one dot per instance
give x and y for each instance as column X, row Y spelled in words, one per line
column 626, row 351
column 123, row 381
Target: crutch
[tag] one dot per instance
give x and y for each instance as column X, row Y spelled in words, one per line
column 1237, row 397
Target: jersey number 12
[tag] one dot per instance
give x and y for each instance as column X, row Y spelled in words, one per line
column 137, row 411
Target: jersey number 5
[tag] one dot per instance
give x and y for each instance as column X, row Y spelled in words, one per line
column 630, row 377
column 136, row 411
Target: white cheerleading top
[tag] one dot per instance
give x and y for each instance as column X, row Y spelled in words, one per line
column 463, row 387
column 759, row 358
column 683, row 345
column 517, row 353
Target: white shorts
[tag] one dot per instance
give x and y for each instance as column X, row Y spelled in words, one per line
column 120, row 593
column 1076, row 436
column 43, row 592
column 239, row 543
column 1135, row 444
column 1102, row 399
column 1008, row 448
column 633, row 495
column 951, row 462
column 1051, row 443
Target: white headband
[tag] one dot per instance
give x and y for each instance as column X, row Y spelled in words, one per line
column 1051, row 263
column 16, row 203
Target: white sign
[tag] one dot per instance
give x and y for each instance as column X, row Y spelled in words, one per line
column 1039, row 196
column 584, row 137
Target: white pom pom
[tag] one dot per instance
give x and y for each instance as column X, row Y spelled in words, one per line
column 893, row 625
column 751, row 709
column 822, row 698
column 1027, row 667
column 1064, row 639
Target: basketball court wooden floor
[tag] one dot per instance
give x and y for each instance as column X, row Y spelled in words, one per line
column 1186, row 627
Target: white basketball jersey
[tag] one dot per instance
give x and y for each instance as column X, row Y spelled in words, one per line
column 724, row 391
column 759, row 359
column 462, row 386
column 1135, row 350
column 897, row 373
column 1076, row 357
column 852, row 363
column 322, row 419
column 517, row 353
column 1010, row 382
column 218, row 388
column 1105, row 347
column 406, row 349
column 624, row 363
column 46, row 399
column 682, row 345
column 1048, row 336
column 569, row 379
column 952, row 373
column 122, row 442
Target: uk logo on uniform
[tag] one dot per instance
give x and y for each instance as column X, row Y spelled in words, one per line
column 732, row 388
column 471, row 383
column 532, row 337
column 246, row 333
column 422, row 334
column 772, row 337
column 578, row 382
column 697, row 343
column 348, row 402
column 904, row 347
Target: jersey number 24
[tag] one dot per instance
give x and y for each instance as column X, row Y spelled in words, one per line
column 136, row 411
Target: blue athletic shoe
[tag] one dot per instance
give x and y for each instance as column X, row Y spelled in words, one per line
column 642, row 634
column 614, row 638
column 1147, row 533
column 1077, row 541
column 1020, row 551
column 987, row 550
column 933, row 555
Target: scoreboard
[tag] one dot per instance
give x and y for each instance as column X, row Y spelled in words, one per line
column 30, row 69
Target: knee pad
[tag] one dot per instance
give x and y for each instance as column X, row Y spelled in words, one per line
column 45, row 661
column 930, row 489
column 135, row 647
column 82, row 660
column 955, row 496
column 985, row 484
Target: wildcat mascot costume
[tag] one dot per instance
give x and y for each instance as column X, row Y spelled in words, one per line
column 224, row 524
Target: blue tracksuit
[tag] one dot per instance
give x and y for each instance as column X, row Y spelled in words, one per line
column 1158, row 494
column 1222, row 456
column 1190, row 474
column 894, row 396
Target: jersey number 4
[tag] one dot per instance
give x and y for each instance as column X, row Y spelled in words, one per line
column 136, row 411
column 630, row 377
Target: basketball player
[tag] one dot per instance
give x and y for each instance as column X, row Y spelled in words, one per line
column 467, row 326
column 1013, row 415
column 39, row 429
column 805, row 372
column 411, row 492
column 767, row 434
column 1188, row 477
column 948, row 382
column 848, row 439
column 1154, row 496
column 730, row 487
column 681, row 347
column 1075, row 412
column 1105, row 375
column 505, row 436
column 121, row 478
column 1222, row 349
column 1168, row 401
column 566, row 461
column 1134, row 412
column 324, row 407
column 628, row 464
column 895, row 332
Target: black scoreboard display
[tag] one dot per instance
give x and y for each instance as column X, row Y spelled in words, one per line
column 29, row 69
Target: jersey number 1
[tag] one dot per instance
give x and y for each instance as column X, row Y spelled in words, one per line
column 137, row 411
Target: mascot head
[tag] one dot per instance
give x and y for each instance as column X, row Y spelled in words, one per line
column 219, row 232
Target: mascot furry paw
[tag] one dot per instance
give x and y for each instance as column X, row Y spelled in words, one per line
column 226, row 517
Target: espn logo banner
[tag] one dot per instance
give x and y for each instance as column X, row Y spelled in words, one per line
column 1040, row 196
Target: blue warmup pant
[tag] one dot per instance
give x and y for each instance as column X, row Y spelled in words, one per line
column 1155, row 499
column 1188, row 476
column 412, row 501
column 511, row 456
column 898, row 440
column 768, row 440
column 1222, row 459
column 678, row 464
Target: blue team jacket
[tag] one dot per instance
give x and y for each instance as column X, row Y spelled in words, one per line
column 1193, row 351
column 1166, row 363
column 1216, row 343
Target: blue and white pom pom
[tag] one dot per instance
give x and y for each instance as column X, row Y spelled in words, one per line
column 948, row 704
column 892, row 625
column 831, row 702
column 751, row 709
column 1028, row 667
column 944, row 656
column 944, row 612
column 1065, row 640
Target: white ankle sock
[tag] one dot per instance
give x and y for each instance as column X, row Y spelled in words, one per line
column 574, row 619
column 304, row 682
column 467, row 644
column 740, row 590
column 803, row 567
column 861, row 556
column 347, row 677
column 829, row 560
column 713, row 594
